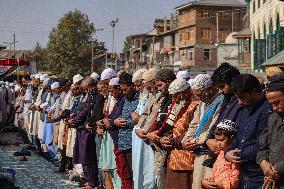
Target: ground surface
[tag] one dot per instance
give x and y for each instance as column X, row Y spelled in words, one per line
column 36, row 173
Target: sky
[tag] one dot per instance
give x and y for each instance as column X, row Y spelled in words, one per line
column 32, row 20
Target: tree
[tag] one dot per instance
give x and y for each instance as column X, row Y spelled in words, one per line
column 127, row 44
column 69, row 46
column 39, row 56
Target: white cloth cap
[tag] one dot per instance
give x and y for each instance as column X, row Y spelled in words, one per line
column 178, row 85
column 1, row 82
column 94, row 75
column 77, row 78
column 108, row 74
column 114, row 81
column 138, row 74
column 201, row 81
column 54, row 85
column 11, row 84
column 183, row 74
column 190, row 82
column 32, row 76
column 45, row 82
column 17, row 88
column 43, row 77
column 37, row 76
column 43, row 105
column 7, row 83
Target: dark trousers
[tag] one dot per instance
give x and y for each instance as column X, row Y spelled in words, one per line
column 91, row 174
column 65, row 162
column 124, row 167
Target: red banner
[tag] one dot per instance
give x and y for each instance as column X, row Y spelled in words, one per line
column 14, row 62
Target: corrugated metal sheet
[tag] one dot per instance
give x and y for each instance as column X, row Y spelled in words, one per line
column 278, row 59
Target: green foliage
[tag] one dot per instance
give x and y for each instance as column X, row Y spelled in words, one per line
column 69, row 48
column 127, row 44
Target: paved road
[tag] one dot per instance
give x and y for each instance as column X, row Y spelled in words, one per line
column 36, row 173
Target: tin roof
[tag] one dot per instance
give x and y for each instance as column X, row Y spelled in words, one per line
column 278, row 59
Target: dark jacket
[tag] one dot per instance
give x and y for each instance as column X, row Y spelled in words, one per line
column 250, row 123
column 272, row 143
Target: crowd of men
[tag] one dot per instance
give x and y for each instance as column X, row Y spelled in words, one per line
column 155, row 128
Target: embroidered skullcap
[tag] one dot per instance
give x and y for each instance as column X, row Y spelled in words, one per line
column 276, row 83
column 32, row 77
column 227, row 125
column 201, row 81
column 77, row 78
column 43, row 77
column 108, row 74
column 45, row 82
column 95, row 76
column 183, row 74
column 37, row 76
column 138, row 74
column 54, row 85
column 165, row 74
column 125, row 78
column 114, row 81
column 178, row 85
column 149, row 75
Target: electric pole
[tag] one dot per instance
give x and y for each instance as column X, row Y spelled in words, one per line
column 113, row 24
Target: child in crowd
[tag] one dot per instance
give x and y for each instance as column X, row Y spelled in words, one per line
column 224, row 174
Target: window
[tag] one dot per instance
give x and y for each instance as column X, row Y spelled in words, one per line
column 206, row 55
column 190, row 55
column 190, row 34
column 253, row 7
column 223, row 33
column 206, row 33
column 204, row 13
column 258, row 4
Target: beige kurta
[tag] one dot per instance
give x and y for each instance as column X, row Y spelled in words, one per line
column 67, row 104
column 72, row 135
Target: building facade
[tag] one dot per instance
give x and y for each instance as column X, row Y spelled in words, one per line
column 202, row 25
column 266, row 23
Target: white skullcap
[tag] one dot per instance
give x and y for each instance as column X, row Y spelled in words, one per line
column 149, row 75
column 1, row 82
column 138, row 74
column 43, row 77
column 54, row 85
column 201, row 81
column 178, row 85
column 227, row 125
column 183, row 74
column 45, row 82
column 43, row 105
column 94, row 75
column 11, row 84
column 77, row 78
column 7, row 83
column 32, row 77
column 114, row 81
column 17, row 88
column 37, row 76
column 190, row 82
column 108, row 74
